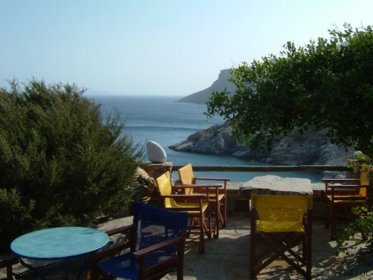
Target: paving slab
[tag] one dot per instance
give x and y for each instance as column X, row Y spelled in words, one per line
column 227, row 258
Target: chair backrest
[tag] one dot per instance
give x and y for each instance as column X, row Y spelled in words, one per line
column 153, row 225
column 164, row 184
column 280, row 213
column 363, row 191
column 364, row 184
column 346, row 187
column 186, row 176
column 364, row 178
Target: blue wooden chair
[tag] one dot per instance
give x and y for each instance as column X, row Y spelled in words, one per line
column 156, row 245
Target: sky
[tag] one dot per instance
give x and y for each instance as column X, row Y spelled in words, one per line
column 156, row 47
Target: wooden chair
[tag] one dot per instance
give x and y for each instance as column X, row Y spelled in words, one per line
column 341, row 194
column 195, row 205
column 283, row 221
column 186, row 176
column 156, row 239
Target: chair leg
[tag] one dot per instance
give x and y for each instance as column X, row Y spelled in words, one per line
column 333, row 226
column 201, row 243
column 199, row 223
column 222, row 213
column 218, row 218
column 180, row 262
column 224, row 206
column 203, row 229
column 327, row 215
column 252, row 272
column 308, row 257
column 9, row 272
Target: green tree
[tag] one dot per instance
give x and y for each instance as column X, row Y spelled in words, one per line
column 327, row 83
column 61, row 161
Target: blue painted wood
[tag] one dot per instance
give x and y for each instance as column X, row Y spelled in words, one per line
column 59, row 243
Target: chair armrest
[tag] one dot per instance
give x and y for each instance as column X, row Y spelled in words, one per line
column 340, row 180
column 161, row 245
column 344, row 186
column 196, row 186
column 110, row 251
column 195, row 198
column 224, row 180
column 208, row 189
column 212, row 179
column 194, row 195
column 122, row 229
column 341, row 184
column 349, row 192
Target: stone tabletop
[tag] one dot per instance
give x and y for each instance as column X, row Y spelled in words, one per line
column 279, row 184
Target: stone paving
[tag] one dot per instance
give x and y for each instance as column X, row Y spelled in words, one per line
column 227, row 258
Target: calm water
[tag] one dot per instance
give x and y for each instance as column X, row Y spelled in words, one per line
column 168, row 122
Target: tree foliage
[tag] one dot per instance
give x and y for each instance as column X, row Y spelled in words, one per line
column 327, row 83
column 61, row 161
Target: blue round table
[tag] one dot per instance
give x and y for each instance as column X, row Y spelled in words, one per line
column 59, row 243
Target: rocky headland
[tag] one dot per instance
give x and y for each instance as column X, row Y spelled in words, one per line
column 309, row 148
column 222, row 83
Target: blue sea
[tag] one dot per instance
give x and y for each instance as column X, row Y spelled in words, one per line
column 167, row 121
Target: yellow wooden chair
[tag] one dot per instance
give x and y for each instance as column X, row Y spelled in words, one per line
column 186, row 176
column 195, row 205
column 342, row 194
column 284, row 221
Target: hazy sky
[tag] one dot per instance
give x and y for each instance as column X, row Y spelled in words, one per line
column 158, row 47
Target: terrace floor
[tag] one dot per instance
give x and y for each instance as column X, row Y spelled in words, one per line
column 227, row 258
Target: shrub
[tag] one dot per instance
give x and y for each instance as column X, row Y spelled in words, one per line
column 61, row 161
column 13, row 209
column 360, row 231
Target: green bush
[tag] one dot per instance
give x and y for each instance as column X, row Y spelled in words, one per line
column 360, row 231
column 61, row 161
column 14, row 214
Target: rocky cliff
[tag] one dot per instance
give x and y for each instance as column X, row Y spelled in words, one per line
column 220, row 84
column 309, row 148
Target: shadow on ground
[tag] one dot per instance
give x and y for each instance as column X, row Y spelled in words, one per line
column 227, row 258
